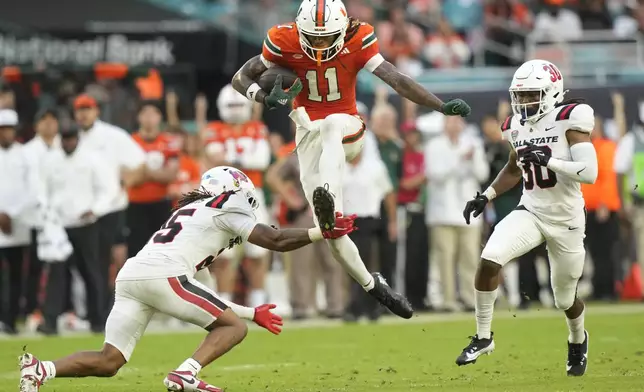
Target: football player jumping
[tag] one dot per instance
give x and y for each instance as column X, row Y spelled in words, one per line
column 326, row 49
column 162, row 278
column 552, row 152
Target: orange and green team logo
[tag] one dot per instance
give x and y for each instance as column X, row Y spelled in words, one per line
column 320, row 10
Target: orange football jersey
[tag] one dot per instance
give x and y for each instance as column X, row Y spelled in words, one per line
column 161, row 150
column 237, row 141
column 330, row 86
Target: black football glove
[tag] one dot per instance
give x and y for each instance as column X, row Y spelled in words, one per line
column 475, row 207
column 456, row 107
column 535, row 154
column 279, row 96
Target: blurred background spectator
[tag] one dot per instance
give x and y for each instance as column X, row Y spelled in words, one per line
column 367, row 184
column 75, row 174
column 140, row 92
column 456, row 166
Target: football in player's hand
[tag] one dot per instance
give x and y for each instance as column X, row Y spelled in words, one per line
column 267, row 80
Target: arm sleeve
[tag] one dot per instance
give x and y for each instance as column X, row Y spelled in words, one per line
column 582, row 168
column 235, row 223
column 271, row 48
column 370, row 57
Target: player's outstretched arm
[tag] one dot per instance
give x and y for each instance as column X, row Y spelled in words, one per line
column 410, row 89
column 285, row 240
column 246, row 76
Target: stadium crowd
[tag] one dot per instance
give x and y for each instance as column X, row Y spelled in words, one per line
column 421, row 34
column 92, row 169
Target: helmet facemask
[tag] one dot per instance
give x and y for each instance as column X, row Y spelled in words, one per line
column 322, row 54
column 531, row 103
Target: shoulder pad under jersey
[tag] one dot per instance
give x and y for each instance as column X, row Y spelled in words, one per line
column 579, row 117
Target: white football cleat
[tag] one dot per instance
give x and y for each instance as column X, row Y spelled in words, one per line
column 32, row 373
column 178, row 380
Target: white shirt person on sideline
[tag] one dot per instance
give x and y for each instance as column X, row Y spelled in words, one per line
column 76, row 187
column 456, row 166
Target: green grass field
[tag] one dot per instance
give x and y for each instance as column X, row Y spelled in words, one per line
column 416, row 355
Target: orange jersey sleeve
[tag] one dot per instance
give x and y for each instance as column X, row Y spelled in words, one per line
column 280, row 40
column 365, row 42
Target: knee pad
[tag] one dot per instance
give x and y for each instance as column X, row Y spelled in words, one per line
column 564, row 302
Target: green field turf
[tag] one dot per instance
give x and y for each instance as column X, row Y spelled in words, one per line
column 399, row 356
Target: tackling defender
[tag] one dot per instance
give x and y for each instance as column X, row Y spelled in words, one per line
column 326, row 49
column 552, row 152
column 161, row 278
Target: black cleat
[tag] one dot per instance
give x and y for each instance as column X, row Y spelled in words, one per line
column 395, row 302
column 324, row 207
column 475, row 349
column 577, row 357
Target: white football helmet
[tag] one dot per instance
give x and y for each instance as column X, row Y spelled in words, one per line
column 222, row 179
column 537, row 87
column 233, row 107
column 322, row 18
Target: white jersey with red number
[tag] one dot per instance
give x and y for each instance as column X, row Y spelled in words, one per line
column 550, row 196
column 192, row 238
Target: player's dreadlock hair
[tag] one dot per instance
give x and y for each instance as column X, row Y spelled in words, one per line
column 193, row 196
column 569, row 101
column 354, row 25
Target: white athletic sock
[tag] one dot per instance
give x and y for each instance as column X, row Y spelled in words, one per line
column 50, row 369
column 576, row 328
column 347, row 254
column 190, row 365
column 484, row 311
column 226, row 296
column 256, row 298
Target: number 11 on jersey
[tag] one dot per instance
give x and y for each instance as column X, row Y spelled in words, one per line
column 331, row 76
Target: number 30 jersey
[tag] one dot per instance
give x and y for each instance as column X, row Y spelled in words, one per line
column 192, row 238
column 329, row 86
column 551, row 196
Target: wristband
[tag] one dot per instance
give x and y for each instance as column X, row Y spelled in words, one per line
column 315, row 234
column 490, row 193
column 252, row 91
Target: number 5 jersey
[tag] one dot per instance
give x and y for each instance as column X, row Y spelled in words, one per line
column 192, row 238
column 550, row 196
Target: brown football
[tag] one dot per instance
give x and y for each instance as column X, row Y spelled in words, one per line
column 267, row 80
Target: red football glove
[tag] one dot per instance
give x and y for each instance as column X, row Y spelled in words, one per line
column 343, row 226
column 266, row 319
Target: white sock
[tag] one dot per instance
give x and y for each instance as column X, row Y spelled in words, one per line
column 346, row 253
column 511, row 281
column 256, row 298
column 576, row 328
column 190, row 365
column 484, row 311
column 226, row 296
column 50, row 369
